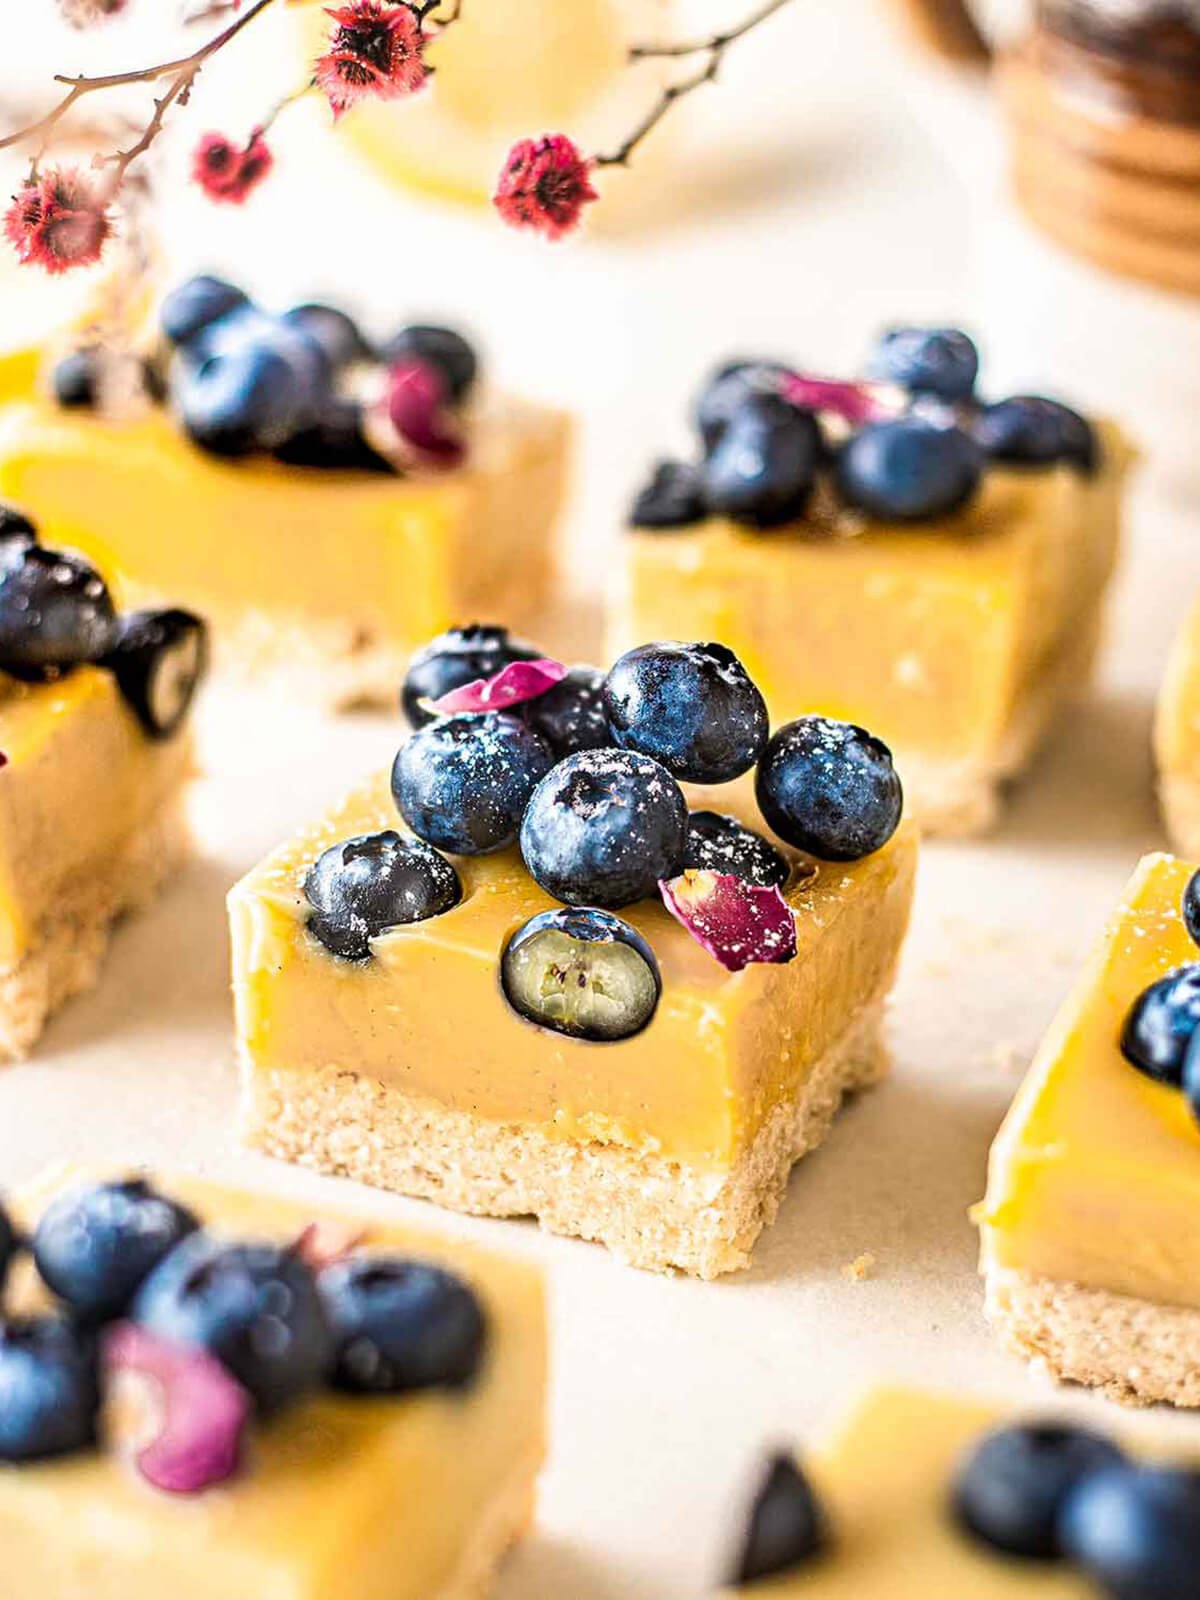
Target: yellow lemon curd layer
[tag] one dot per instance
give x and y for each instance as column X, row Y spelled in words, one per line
column 427, row 1014
column 398, row 559
column 886, row 1482
column 340, row 1497
column 1094, row 1177
column 935, row 636
column 82, row 777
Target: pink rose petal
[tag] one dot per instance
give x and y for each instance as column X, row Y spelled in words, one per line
column 511, row 686
column 202, row 1410
column 855, row 403
column 320, row 1244
column 417, row 405
column 735, row 921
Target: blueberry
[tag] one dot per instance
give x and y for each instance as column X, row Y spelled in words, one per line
column 1011, row 1489
column 454, row 658
column 241, row 402
column 1135, row 1530
column 1160, row 1025
column 692, row 707
column 159, row 661
column 908, row 469
column 829, row 788
column 96, row 1244
column 1028, row 430
column 11, row 1245
column 17, row 533
column 254, row 1306
column 76, row 378
column 718, row 843
column 726, row 391
column 1191, row 907
column 762, row 470
column 442, row 348
column 463, row 782
column 571, row 715
column 55, row 611
column 401, row 1325
column 335, row 442
column 938, row 361
column 196, row 304
column 337, row 334
column 49, row 1389
column 786, row 1527
column 582, row 972
column 603, row 827
column 1191, row 1076
column 361, row 887
column 674, row 498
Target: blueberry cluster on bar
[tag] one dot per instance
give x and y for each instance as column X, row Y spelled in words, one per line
column 229, row 1331
column 56, row 614
column 1160, row 1036
column 306, row 386
column 1040, row 1492
column 582, row 771
column 908, row 442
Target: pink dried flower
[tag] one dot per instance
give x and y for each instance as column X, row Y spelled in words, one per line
column 201, row 1411
column 59, row 220
column 228, row 173
column 545, row 185
column 376, row 51
column 855, row 403
column 417, row 404
column 735, row 921
column 513, row 685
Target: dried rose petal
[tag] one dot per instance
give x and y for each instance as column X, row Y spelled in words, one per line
column 735, row 921
column 202, row 1410
column 511, row 686
column 855, row 403
column 320, row 1244
column 417, row 406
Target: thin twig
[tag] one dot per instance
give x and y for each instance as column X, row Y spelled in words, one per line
column 714, row 46
column 183, row 70
column 715, row 42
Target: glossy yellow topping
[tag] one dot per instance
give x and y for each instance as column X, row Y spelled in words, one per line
column 1095, row 1176
column 398, row 559
column 933, row 635
column 82, row 777
column 341, row 1498
column 427, row 1013
column 886, row 1482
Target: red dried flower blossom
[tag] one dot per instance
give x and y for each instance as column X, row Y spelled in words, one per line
column 376, row 51
column 545, row 185
column 229, row 173
column 59, row 220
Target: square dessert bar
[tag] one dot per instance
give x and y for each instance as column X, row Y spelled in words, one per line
column 954, row 627
column 919, row 1496
column 1091, row 1252
column 1177, row 738
column 319, row 578
column 410, row 1494
column 95, row 753
column 673, row 1146
column 92, row 824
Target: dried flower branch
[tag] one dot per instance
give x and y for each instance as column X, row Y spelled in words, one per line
column 545, row 183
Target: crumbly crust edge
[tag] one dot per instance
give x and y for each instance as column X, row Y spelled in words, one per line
column 1139, row 1352
column 651, row 1211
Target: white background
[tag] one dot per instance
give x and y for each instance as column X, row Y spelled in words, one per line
column 858, row 190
